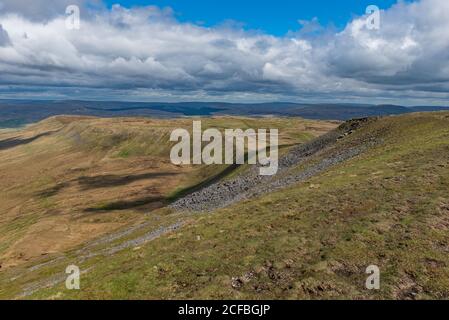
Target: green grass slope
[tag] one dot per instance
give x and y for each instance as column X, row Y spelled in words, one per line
column 69, row 180
column 388, row 207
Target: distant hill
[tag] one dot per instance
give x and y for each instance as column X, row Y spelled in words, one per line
column 15, row 113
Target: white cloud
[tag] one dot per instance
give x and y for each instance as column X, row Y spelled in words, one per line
column 146, row 52
column 4, row 37
column 39, row 10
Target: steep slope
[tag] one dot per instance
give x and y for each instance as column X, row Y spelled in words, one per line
column 70, row 179
column 251, row 183
column 387, row 205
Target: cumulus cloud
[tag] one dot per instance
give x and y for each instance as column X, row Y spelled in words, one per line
column 4, row 37
column 145, row 52
column 38, row 10
column 410, row 48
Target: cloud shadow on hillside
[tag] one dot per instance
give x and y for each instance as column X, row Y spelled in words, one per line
column 104, row 181
column 126, row 204
column 14, row 142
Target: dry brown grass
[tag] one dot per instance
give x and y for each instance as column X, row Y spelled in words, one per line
column 67, row 180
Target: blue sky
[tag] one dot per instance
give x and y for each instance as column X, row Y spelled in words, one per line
column 273, row 17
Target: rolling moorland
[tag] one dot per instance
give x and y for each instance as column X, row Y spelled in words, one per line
column 68, row 179
column 103, row 195
column 17, row 113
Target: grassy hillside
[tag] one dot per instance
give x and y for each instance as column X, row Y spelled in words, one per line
column 388, row 206
column 68, row 179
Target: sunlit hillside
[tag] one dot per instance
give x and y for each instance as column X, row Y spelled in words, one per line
column 386, row 204
column 67, row 180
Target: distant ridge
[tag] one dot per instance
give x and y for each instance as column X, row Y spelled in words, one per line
column 15, row 113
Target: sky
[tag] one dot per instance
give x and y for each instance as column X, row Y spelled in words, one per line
column 275, row 17
column 236, row 51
